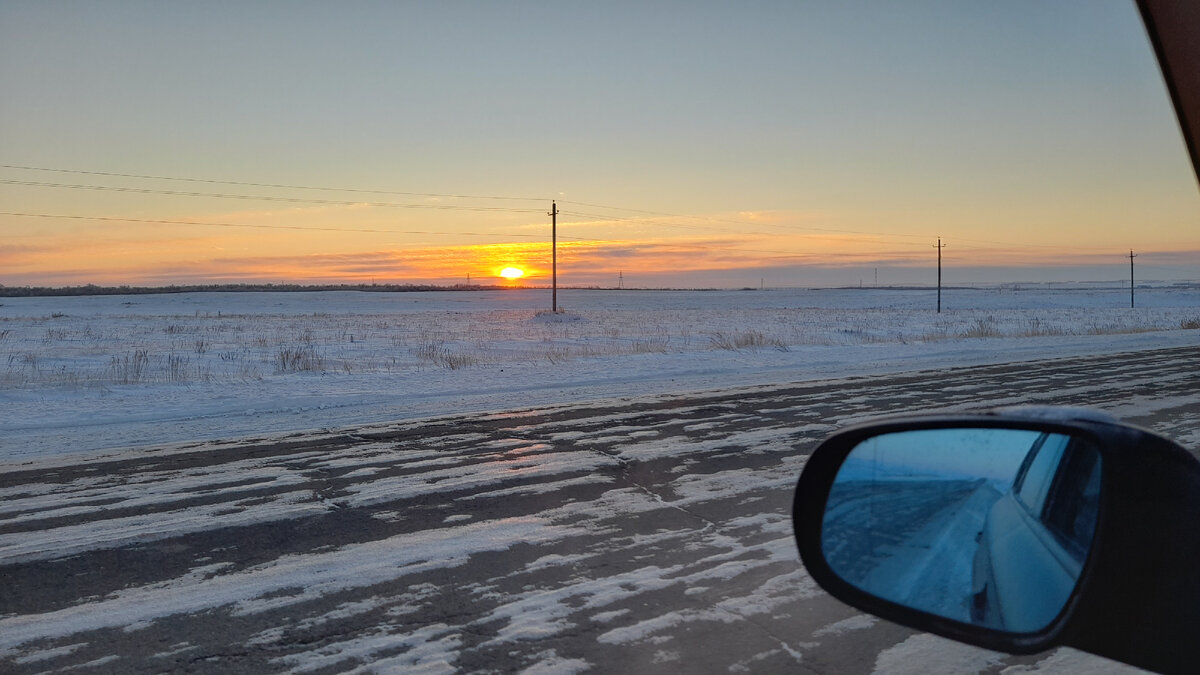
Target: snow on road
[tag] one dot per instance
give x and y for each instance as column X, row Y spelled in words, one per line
column 630, row 535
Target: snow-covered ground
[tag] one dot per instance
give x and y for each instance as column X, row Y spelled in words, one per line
column 616, row 536
column 86, row 373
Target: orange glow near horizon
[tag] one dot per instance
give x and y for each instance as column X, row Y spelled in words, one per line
column 159, row 262
column 142, row 254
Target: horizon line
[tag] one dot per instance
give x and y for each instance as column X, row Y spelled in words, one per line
column 241, row 287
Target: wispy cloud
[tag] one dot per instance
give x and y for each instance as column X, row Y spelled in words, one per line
column 641, row 248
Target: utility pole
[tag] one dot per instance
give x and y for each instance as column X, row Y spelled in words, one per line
column 939, row 247
column 554, row 257
column 1131, row 257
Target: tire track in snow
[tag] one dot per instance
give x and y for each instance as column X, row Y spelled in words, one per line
column 624, row 535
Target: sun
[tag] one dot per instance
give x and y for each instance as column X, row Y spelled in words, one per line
column 512, row 273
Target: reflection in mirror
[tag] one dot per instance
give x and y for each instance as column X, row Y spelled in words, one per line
column 983, row 526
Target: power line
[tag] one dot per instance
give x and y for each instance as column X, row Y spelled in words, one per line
column 277, row 227
column 773, row 254
column 1050, row 246
column 785, row 228
column 106, row 188
column 269, row 185
column 763, row 255
column 610, row 219
column 881, row 236
column 391, row 192
column 265, row 198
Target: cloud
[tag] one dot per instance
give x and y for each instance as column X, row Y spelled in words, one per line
column 696, row 260
column 784, row 216
column 16, row 254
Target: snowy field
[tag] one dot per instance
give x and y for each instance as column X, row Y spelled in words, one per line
column 88, row 373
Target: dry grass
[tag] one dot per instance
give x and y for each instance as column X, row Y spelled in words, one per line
column 299, row 359
column 984, row 327
column 750, row 339
column 70, row 350
column 130, row 368
column 1037, row 328
column 436, row 353
column 658, row 344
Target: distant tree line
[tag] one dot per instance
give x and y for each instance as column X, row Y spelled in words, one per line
column 92, row 289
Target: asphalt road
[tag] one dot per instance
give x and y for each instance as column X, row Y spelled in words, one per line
column 626, row 536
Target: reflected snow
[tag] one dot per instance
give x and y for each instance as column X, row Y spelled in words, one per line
column 904, row 516
column 909, row 541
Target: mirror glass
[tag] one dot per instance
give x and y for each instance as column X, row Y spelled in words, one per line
column 984, row 526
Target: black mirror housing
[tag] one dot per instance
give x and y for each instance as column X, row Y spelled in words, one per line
column 1140, row 603
column 1135, row 599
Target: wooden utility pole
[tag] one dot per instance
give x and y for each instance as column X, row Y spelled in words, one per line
column 1131, row 257
column 939, row 247
column 553, row 257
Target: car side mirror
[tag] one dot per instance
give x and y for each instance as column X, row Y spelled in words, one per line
column 981, row 525
column 1014, row 531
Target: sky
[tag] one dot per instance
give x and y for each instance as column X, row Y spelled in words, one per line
column 951, row 454
column 686, row 144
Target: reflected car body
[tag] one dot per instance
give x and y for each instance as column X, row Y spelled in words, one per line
column 1036, row 537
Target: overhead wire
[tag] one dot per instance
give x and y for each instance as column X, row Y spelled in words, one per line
column 422, row 194
column 309, row 201
column 659, row 223
column 279, row 227
column 266, row 198
column 800, row 227
column 449, row 207
column 269, row 185
column 786, row 228
column 1047, row 246
column 774, row 254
